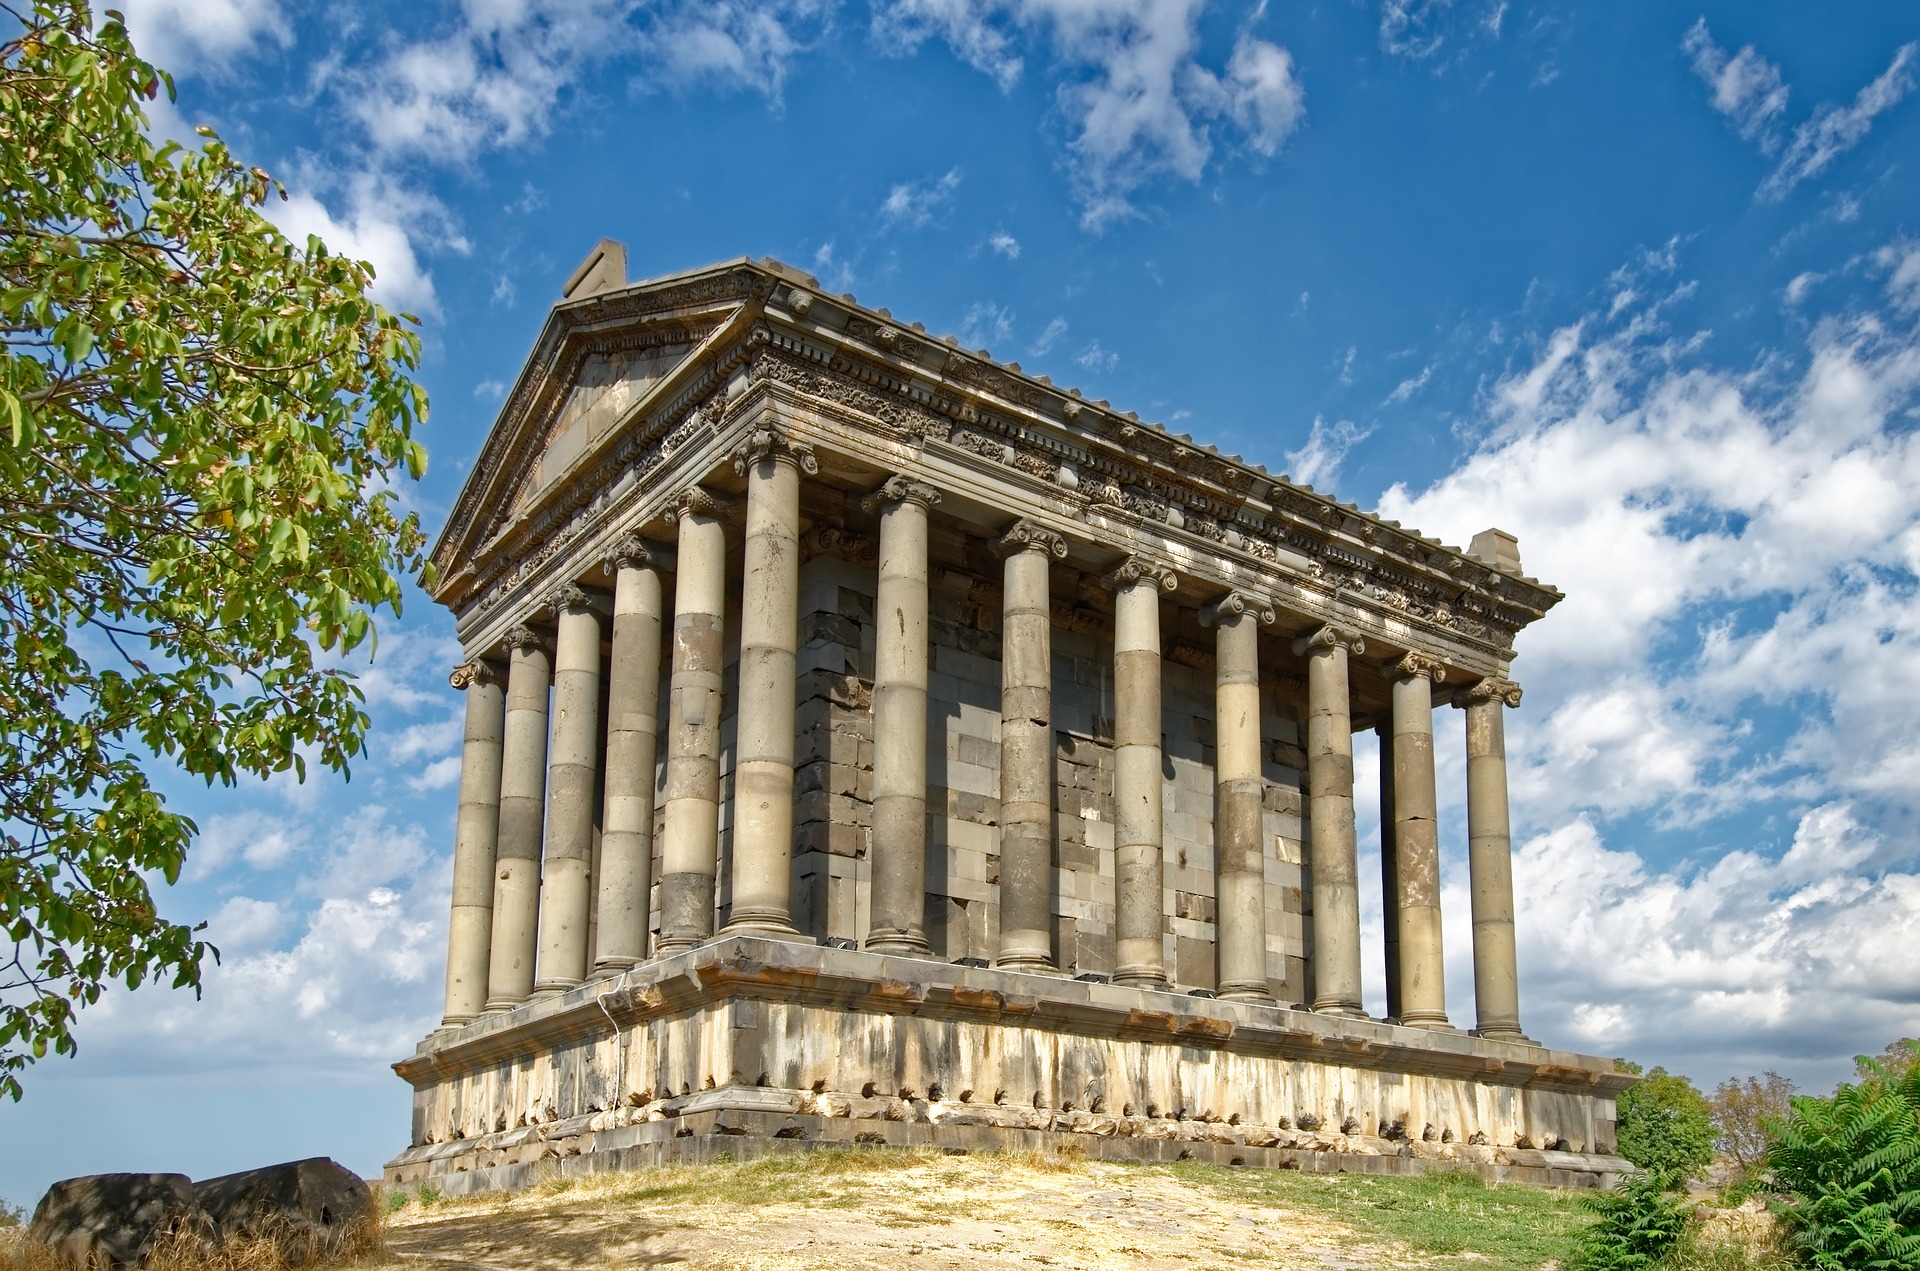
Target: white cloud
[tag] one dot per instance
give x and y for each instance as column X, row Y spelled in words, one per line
column 1407, row 27
column 1408, row 387
column 1747, row 88
column 257, row 840
column 1095, row 358
column 202, row 35
column 1049, row 337
column 373, row 220
column 1902, row 262
column 986, row 325
column 1004, row 244
column 490, row 390
column 1135, row 96
column 1834, row 130
column 1318, row 462
column 1801, row 283
column 913, row 204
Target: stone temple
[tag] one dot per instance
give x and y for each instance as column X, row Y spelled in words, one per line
column 870, row 743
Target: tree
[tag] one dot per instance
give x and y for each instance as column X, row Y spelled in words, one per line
column 1664, row 1124
column 1743, row 1113
column 200, row 427
column 1898, row 1059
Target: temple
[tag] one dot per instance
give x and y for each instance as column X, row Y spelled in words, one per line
column 868, row 742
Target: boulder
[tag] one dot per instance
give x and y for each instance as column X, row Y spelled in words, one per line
column 113, row 1218
column 311, row 1207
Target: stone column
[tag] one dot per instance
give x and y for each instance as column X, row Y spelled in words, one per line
column 573, row 777
column 523, row 788
column 1239, row 856
column 690, row 855
column 1139, row 876
column 769, row 637
column 1331, row 847
column 633, row 740
column 1026, row 748
column 475, row 836
column 1496, row 972
column 1423, row 987
column 1389, row 862
column 899, row 852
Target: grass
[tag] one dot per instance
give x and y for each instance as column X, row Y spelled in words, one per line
column 1445, row 1213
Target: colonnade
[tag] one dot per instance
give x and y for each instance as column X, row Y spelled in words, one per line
column 531, row 905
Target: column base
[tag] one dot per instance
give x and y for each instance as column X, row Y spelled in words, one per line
column 769, row 927
column 679, row 942
column 1502, row 1033
column 1152, row 979
column 1026, row 963
column 449, row 1022
column 605, row 965
column 1345, row 1009
column 1246, row 993
column 553, row 988
column 1435, row 1021
column 497, row 1004
column 903, row 944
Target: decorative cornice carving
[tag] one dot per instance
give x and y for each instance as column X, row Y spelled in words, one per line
column 697, row 500
column 770, row 443
column 831, row 540
column 1414, row 664
column 477, row 671
column 1137, row 568
column 1026, row 536
column 1235, row 603
column 633, row 550
column 524, row 637
column 900, row 490
column 1490, row 689
column 1330, row 637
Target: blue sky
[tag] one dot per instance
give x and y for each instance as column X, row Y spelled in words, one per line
column 1639, row 283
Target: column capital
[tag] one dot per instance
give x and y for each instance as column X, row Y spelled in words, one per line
column 1328, row 638
column 1235, row 603
column 524, row 637
column 631, row 549
column 697, row 500
column 1493, row 688
column 1416, row 665
column 1138, row 569
column 768, row 442
column 901, row 490
column 476, row 671
column 1026, row 536
column 566, row 597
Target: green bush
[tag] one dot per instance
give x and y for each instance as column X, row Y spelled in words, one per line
column 1848, row 1169
column 1665, row 1124
column 1640, row 1222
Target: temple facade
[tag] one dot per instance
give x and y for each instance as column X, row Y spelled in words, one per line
column 867, row 742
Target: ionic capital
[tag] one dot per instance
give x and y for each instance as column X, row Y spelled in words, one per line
column 632, row 550
column 1328, row 638
column 1138, row 569
column 1235, row 603
column 900, row 490
column 565, row 597
column 1025, row 536
column 1416, row 665
column 766, row 442
column 697, row 500
column 1491, row 689
column 478, row 671
column 524, row 637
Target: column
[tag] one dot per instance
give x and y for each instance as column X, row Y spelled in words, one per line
column 1389, row 861
column 1239, row 858
column 1026, row 748
column 1423, row 988
column 523, row 789
column 690, row 855
column 633, row 727
column 769, row 636
column 573, row 776
column 899, row 852
column 475, row 836
column 1496, row 975
column 1331, row 847
column 1138, row 831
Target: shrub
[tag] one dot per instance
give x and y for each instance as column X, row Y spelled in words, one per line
column 1742, row 1113
column 1640, row 1222
column 1665, row 1125
column 1848, row 1168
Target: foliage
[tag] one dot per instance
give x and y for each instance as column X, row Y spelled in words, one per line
column 11, row 1215
column 1639, row 1223
column 1848, row 1167
column 1741, row 1113
column 1664, row 1124
column 1896, row 1060
column 199, row 425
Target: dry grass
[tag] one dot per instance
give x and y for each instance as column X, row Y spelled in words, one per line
column 275, row 1246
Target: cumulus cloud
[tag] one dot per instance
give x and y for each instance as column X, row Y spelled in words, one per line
column 1747, row 88
column 376, row 221
column 914, row 204
column 1138, row 101
column 1318, row 462
column 203, row 35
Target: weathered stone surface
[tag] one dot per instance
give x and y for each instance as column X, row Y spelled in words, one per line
column 114, row 1218
column 311, row 1207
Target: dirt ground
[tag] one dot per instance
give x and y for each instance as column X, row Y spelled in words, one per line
column 959, row 1212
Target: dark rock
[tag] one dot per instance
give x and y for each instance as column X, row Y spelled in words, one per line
column 113, row 1218
column 311, row 1207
